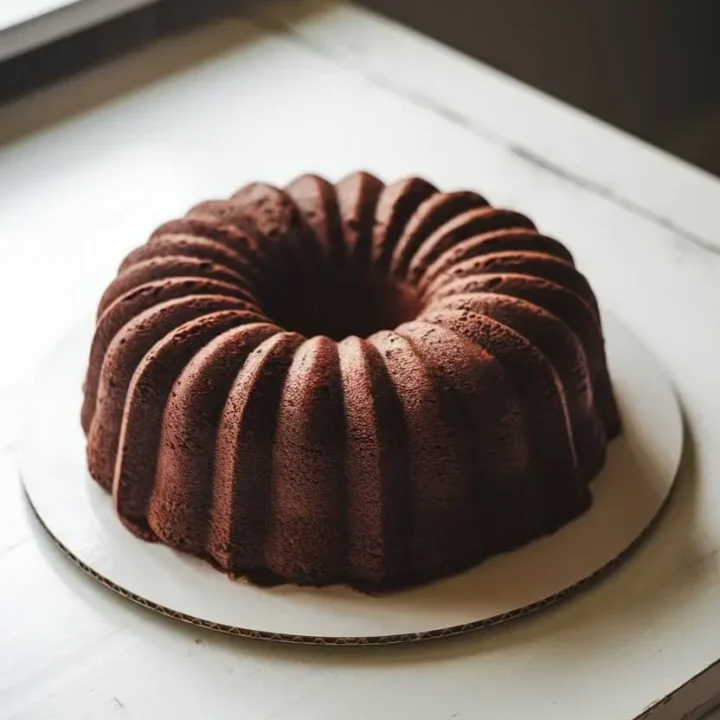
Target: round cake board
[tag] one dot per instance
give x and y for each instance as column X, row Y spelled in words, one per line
column 627, row 498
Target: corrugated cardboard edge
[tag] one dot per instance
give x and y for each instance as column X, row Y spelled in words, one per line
column 375, row 639
column 691, row 701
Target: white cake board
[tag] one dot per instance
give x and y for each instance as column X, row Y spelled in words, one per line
column 628, row 497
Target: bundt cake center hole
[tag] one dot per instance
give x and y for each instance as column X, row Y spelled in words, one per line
column 340, row 303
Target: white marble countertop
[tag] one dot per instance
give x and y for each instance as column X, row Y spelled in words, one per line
column 90, row 166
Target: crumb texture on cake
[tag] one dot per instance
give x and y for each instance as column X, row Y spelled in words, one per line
column 357, row 383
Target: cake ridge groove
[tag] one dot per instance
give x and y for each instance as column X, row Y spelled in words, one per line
column 472, row 223
column 565, row 354
column 135, row 475
column 432, row 214
column 509, row 239
column 262, row 376
column 357, row 196
column 396, row 205
column 124, row 354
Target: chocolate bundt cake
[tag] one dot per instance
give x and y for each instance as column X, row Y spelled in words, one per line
column 358, row 383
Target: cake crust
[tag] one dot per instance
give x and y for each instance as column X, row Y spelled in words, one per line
column 358, row 383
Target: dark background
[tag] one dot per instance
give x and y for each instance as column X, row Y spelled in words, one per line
column 651, row 67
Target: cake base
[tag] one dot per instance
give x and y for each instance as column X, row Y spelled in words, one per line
column 628, row 497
